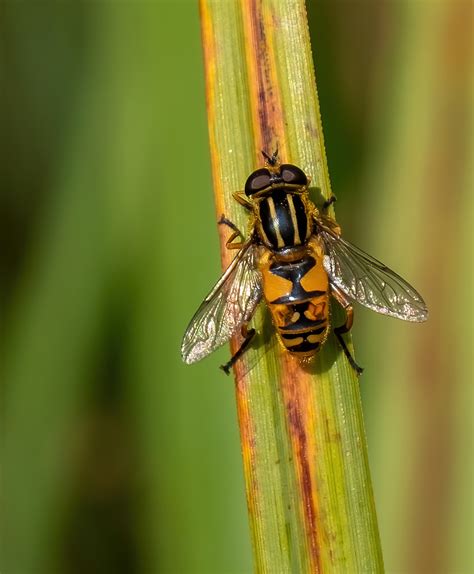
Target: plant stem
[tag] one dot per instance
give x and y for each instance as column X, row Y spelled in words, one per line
column 309, row 494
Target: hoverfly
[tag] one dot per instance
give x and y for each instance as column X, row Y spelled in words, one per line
column 296, row 259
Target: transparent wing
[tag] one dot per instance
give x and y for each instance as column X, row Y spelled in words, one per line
column 368, row 281
column 231, row 303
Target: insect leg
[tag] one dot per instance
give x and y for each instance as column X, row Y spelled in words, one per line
column 242, row 199
column 329, row 202
column 224, row 221
column 345, row 328
column 248, row 335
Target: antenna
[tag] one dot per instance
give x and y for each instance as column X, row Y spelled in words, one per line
column 273, row 159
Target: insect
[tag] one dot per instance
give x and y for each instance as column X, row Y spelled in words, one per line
column 296, row 260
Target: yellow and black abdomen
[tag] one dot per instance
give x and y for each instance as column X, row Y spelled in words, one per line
column 297, row 294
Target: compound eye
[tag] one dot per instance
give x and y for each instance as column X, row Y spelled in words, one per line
column 292, row 174
column 258, row 180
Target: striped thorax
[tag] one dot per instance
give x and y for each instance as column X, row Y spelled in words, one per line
column 283, row 219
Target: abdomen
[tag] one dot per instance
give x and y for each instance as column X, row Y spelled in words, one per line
column 297, row 294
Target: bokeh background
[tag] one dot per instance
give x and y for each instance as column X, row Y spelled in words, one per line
column 116, row 458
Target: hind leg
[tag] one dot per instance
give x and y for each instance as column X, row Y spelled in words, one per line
column 248, row 335
column 345, row 327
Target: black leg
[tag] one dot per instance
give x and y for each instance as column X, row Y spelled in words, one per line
column 329, row 202
column 350, row 358
column 345, row 328
column 224, row 221
column 248, row 335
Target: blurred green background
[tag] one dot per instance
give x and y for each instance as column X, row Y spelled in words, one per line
column 115, row 456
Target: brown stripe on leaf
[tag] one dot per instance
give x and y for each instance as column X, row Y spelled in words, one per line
column 267, row 108
column 270, row 128
column 297, row 393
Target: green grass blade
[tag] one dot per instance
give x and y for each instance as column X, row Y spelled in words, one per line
column 309, row 494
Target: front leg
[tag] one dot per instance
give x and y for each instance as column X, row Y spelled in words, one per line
column 241, row 198
column 329, row 202
column 326, row 221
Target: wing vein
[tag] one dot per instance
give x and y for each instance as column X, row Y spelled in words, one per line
column 229, row 305
column 368, row 281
